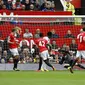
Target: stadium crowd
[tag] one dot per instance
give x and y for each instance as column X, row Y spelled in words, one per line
column 31, row 5
column 37, row 5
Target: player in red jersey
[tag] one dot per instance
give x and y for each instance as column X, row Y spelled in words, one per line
column 44, row 54
column 13, row 46
column 81, row 48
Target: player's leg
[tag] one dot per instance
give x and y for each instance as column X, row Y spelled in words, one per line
column 45, row 56
column 15, row 58
column 40, row 63
column 78, row 55
column 43, row 67
column 81, row 66
column 83, row 55
column 48, row 63
column 74, row 61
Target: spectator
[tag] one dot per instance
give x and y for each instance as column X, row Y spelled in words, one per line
column 41, row 2
column 73, row 46
column 13, row 7
column 22, row 1
column 54, row 50
column 54, row 35
column 4, row 56
column 5, row 1
column 1, row 43
column 32, row 8
column 37, row 34
column 9, row 5
column 23, row 7
column 10, row 60
column 25, row 56
column 24, row 44
column 53, row 6
column 63, row 46
column 4, row 7
column 54, row 45
column 2, row 61
column 48, row 7
column 35, row 3
column 1, row 4
column 69, row 34
column 16, row 5
column 26, row 4
column 27, row 34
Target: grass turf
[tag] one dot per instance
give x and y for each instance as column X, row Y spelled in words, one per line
column 42, row 78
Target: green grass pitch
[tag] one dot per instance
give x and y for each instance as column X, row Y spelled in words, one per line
column 42, row 78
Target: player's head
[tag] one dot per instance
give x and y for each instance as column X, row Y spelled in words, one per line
column 14, row 30
column 83, row 29
column 18, row 30
column 49, row 34
column 41, row 34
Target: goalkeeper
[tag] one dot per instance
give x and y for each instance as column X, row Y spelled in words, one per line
column 68, row 59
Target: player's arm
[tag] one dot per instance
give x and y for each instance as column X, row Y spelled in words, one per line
column 17, row 41
column 49, row 46
column 35, row 43
column 9, row 41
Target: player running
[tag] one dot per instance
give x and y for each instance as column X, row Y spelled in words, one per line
column 13, row 46
column 81, row 48
column 67, row 59
column 41, row 43
column 49, row 35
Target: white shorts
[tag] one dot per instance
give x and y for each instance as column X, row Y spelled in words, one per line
column 14, row 51
column 80, row 53
column 44, row 55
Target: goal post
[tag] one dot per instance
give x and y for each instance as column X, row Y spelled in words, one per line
column 58, row 25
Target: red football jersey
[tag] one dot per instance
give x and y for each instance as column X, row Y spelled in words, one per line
column 41, row 43
column 81, row 42
column 13, row 39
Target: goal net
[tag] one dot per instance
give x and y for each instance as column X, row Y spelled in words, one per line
column 64, row 31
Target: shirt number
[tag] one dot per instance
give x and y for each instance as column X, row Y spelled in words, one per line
column 41, row 43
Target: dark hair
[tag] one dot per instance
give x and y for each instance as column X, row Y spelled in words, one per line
column 49, row 34
column 41, row 34
column 83, row 28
